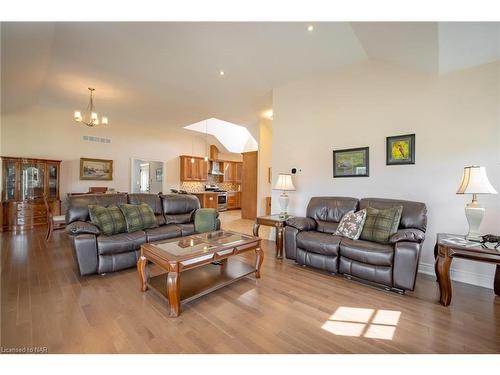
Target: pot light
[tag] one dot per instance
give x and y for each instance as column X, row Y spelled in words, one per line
column 310, row 28
column 221, row 72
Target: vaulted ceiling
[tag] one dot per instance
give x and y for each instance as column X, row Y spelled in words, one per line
column 168, row 74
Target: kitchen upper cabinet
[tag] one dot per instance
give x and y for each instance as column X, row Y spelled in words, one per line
column 238, row 171
column 232, row 171
column 193, row 168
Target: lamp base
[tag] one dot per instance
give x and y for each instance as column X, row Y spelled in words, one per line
column 283, row 203
column 474, row 215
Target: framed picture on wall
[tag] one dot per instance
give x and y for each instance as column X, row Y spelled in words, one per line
column 96, row 169
column 352, row 162
column 159, row 174
column 400, row 149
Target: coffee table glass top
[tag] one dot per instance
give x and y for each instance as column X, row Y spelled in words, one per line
column 202, row 243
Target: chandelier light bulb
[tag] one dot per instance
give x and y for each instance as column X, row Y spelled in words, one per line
column 104, row 121
column 78, row 116
column 96, row 121
column 93, row 116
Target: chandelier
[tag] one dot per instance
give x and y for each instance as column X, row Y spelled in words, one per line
column 89, row 117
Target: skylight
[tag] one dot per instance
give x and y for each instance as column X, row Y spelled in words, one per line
column 235, row 138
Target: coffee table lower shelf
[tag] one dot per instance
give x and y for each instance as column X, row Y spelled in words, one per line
column 199, row 281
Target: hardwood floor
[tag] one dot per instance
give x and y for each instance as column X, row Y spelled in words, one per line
column 291, row 309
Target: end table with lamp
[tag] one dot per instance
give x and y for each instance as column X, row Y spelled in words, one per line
column 472, row 246
column 284, row 183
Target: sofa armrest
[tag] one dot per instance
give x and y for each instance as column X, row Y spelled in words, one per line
column 406, row 258
column 302, row 223
column 85, row 249
column 82, row 227
column 290, row 243
column 407, row 235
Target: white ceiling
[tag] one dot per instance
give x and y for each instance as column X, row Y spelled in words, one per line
column 167, row 74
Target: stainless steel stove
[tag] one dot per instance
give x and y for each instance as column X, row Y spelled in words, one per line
column 221, row 196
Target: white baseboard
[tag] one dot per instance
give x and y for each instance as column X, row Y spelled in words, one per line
column 458, row 275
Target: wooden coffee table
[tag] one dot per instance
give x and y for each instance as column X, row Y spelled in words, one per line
column 206, row 262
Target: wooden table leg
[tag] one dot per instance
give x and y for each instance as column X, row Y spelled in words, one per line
column 443, row 263
column 141, row 269
column 279, row 242
column 259, row 258
column 256, row 229
column 496, row 286
column 173, row 293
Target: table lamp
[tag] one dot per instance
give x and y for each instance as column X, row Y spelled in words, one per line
column 475, row 181
column 284, row 184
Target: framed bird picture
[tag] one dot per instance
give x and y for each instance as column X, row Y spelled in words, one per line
column 400, row 149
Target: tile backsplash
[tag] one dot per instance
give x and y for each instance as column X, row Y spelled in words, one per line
column 195, row 187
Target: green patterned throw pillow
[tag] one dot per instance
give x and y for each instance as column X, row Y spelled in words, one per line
column 110, row 219
column 380, row 225
column 138, row 216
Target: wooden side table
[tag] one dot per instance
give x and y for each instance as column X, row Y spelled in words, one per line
column 449, row 246
column 276, row 221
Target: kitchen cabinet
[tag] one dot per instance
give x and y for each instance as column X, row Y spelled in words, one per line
column 193, row 168
column 233, row 200
column 207, row 200
column 232, row 171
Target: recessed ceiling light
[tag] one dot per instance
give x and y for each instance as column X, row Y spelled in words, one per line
column 221, row 72
column 310, row 28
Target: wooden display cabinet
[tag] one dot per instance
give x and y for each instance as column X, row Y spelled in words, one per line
column 24, row 183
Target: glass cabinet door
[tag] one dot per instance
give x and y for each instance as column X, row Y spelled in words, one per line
column 52, row 176
column 10, row 180
column 32, row 180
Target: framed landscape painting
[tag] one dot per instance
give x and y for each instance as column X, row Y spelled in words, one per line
column 352, row 162
column 400, row 149
column 96, row 169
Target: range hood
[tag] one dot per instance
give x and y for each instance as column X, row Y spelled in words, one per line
column 215, row 168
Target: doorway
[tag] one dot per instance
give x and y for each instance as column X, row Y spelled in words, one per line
column 147, row 176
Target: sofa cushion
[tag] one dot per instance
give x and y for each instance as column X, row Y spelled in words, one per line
column 367, row 252
column 138, row 216
column 351, row 225
column 164, row 232
column 120, row 243
column 319, row 243
column 109, row 220
column 330, row 208
column 326, row 226
column 179, row 208
column 205, row 220
column 153, row 200
column 380, row 225
column 78, row 205
column 188, row 229
column 414, row 214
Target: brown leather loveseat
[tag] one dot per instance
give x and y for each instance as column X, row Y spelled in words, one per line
column 310, row 242
column 97, row 253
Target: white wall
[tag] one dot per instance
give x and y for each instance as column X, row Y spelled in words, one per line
column 46, row 132
column 456, row 121
column 265, row 161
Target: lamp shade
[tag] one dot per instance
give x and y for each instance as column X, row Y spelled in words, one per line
column 475, row 181
column 284, row 182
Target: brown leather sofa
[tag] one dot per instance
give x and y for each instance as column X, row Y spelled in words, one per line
column 310, row 242
column 97, row 253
